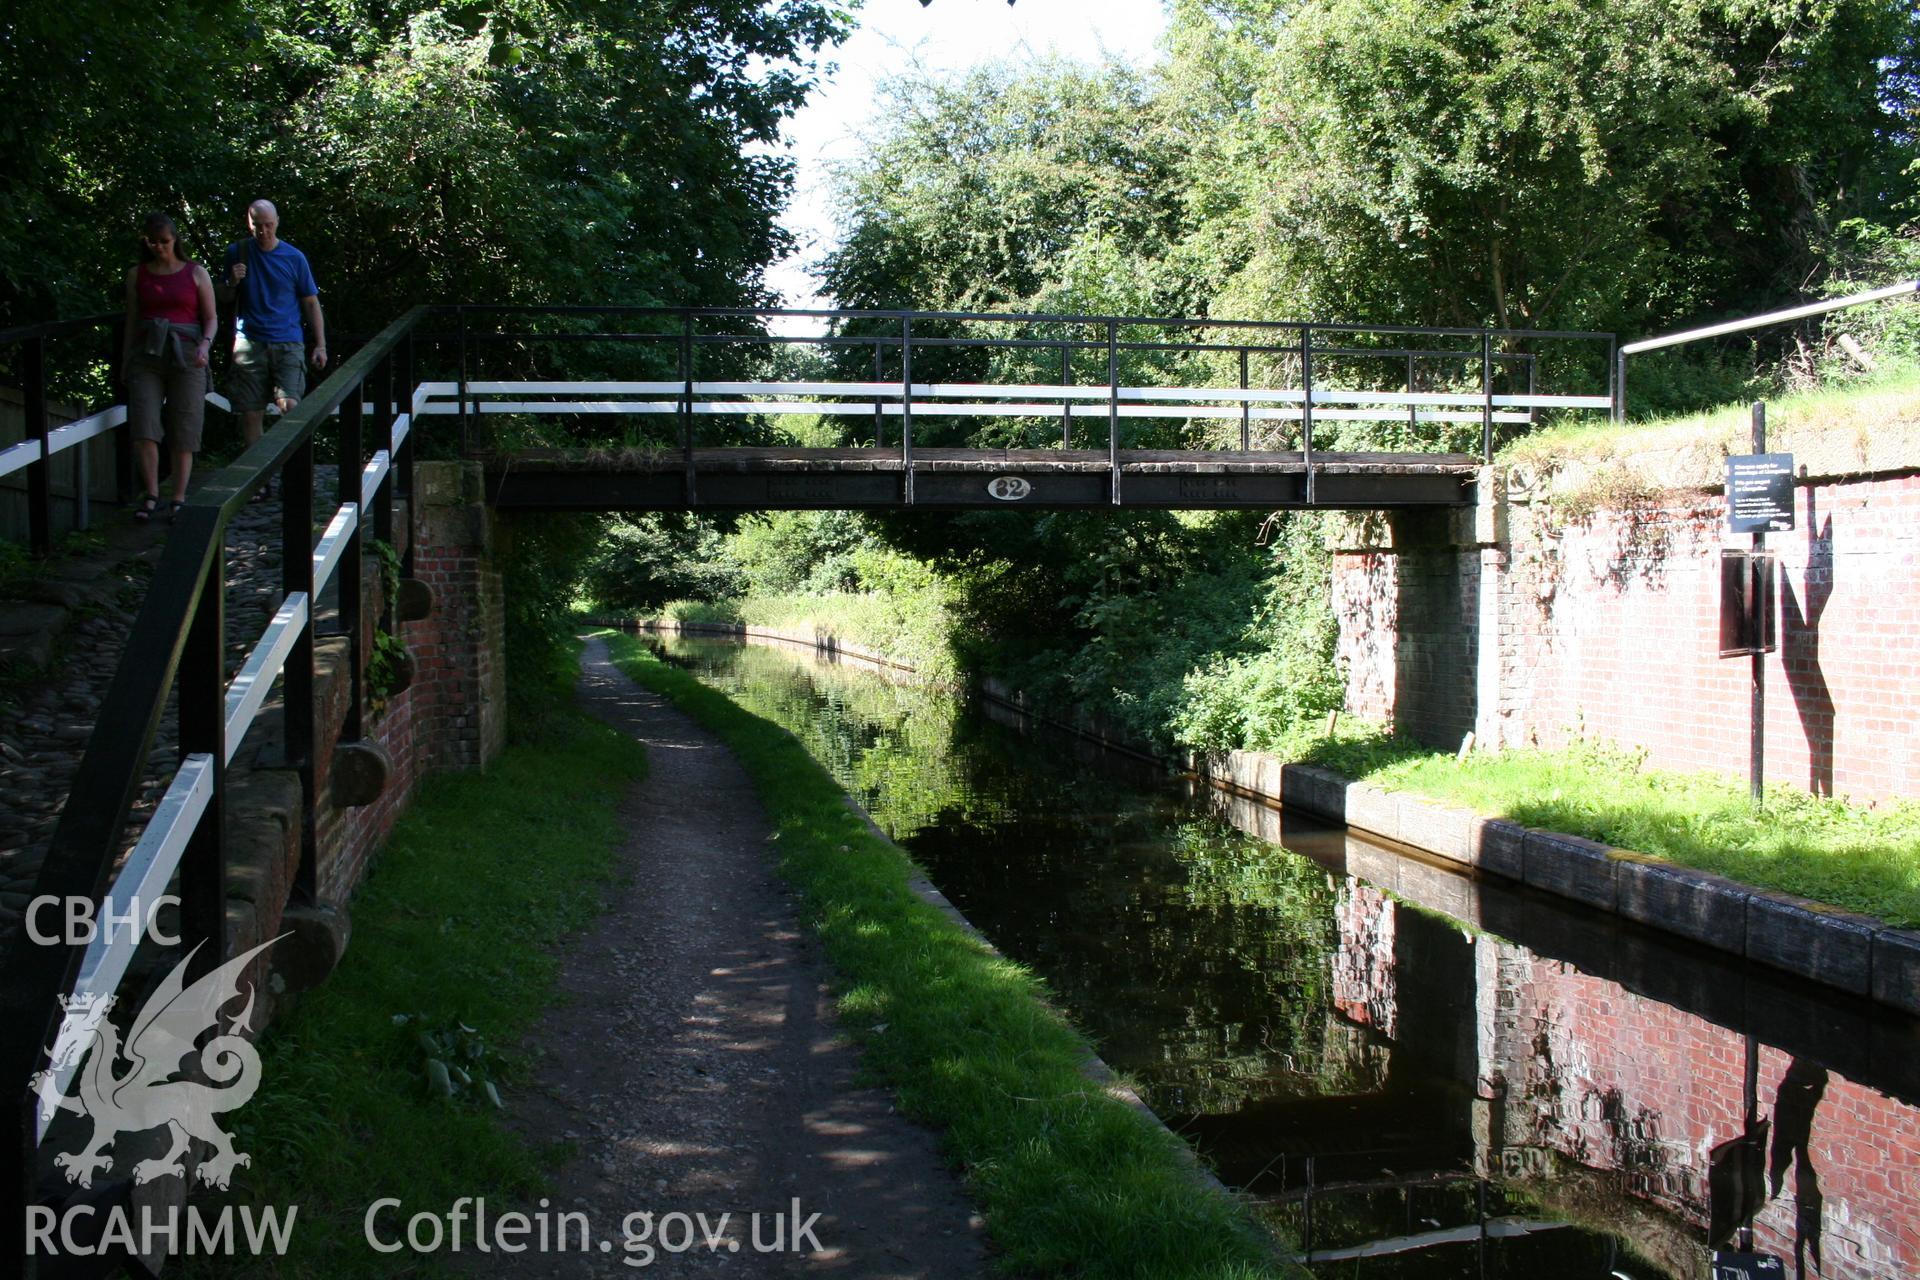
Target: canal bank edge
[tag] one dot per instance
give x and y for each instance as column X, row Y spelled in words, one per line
column 1853, row 953
column 1092, row 1065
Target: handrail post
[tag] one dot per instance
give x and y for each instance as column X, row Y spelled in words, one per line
column 296, row 577
column 123, row 440
column 348, row 574
column 1066, row 405
column 39, row 471
column 382, row 380
column 1617, row 376
column 1413, row 410
column 460, row 313
column 1306, row 405
column 906, row 410
column 1486, row 396
column 686, row 401
column 203, row 699
column 879, row 416
column 1246, row 408
column 1113, row 409
column 403, row 464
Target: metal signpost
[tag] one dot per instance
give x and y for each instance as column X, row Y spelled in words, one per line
column 1759, row 499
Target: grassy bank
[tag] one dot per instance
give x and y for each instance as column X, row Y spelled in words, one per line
column 1072, row 1181
column 1846, row 855
column 914, row 628
column 1835, row 430
column 454, row 933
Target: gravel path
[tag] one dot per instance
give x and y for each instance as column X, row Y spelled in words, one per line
column 694, row 1063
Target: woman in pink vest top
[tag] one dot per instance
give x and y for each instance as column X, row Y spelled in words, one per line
column 169, row 329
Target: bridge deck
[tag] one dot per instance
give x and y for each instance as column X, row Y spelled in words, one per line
column 796, row 478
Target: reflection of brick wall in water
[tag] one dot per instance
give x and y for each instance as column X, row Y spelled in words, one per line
column 1363, row 968
column 1635, row 1087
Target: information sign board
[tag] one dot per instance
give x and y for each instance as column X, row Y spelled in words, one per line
column 1760, row 492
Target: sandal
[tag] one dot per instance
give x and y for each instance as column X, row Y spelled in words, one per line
column 144, row 512
column 173, row 511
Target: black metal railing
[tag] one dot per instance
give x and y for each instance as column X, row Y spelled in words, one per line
column 179, row 634
column 32, row 350
column 1329, row 361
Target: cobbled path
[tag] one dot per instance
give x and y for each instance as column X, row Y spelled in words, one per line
column 44, row 726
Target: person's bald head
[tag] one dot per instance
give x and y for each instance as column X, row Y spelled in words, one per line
column 264, row 221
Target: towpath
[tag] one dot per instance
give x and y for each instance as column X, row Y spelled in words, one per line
column 693, row 1061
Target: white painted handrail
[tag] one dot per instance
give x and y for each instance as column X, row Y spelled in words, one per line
column 326, row 555
column 256, row 676
column 141, row 881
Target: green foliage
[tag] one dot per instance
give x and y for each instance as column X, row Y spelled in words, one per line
column 727, row 611
column 1281, row 680
column 498, row 150
column 789, row 551
column 455, row 933
column 541, row 559
column 456, row 1062
column 387, row 663
column 641, row 561
column 973, row 188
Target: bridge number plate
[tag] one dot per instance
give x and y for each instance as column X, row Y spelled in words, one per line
column 1009, row 488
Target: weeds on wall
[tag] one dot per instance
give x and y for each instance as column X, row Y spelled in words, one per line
column 389, row 668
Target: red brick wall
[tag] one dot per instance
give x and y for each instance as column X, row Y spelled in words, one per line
column 1610, row 627
column 458, row 658
column 352, row 835
column 453, row 713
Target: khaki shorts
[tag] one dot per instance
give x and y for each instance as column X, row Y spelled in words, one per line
column 151, row 380
column 260, row 368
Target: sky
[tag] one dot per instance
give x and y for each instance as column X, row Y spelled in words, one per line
column 946, row 37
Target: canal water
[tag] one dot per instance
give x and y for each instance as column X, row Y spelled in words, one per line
column 1415, row 1073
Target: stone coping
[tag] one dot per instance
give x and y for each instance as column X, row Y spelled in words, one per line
column 1855, row 953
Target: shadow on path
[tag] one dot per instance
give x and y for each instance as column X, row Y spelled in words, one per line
column 694, row 1067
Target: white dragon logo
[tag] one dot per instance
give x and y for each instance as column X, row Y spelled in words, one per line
column 145, row 1095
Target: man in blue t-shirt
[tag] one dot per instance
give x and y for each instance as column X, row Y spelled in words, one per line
column 272, row 289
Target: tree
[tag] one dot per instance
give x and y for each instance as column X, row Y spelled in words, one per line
column 977, row 191
column 564, row 150
column 1544, row 163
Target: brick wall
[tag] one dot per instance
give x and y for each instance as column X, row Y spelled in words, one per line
column 459, row 652
column 1616, row 625
column 453, row 713
column 1609, row 626
column 1408, row 639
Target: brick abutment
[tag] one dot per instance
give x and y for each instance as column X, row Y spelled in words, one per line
column 1537, row 624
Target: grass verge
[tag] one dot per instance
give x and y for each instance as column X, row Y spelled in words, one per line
column 1072, row 1181
column 907, row 627
column 1861, row 859
column 1858, row 426
column 455, row 932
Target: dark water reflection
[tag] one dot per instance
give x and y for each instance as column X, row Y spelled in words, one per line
column 1416, row 1073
